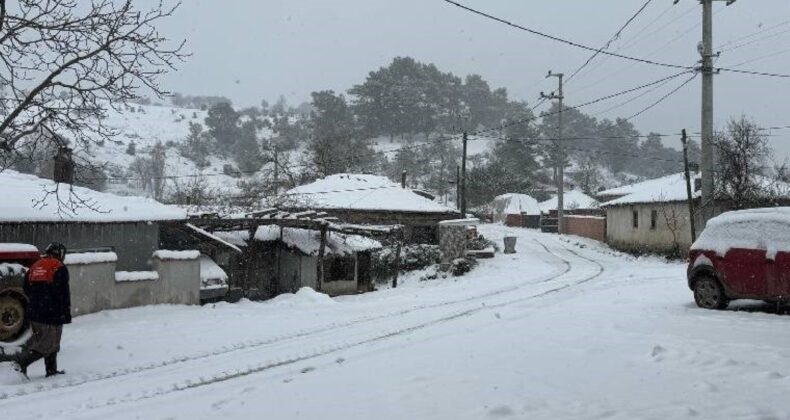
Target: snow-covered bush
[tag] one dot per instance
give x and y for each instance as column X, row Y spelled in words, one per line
column 461, row 266
column 480, row 243
column 413, row 257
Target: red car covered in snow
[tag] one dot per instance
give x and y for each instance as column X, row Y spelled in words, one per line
column 742, row 254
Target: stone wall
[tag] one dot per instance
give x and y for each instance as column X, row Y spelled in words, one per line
column 452, row 243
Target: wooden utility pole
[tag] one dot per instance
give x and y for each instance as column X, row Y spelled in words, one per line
column 463, row 178
column 689, row 191
column 560, row 154
column 458, row 187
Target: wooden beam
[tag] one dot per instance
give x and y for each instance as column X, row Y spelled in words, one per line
column 321, row 252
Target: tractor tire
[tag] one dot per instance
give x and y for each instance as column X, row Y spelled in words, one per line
column 12, row 318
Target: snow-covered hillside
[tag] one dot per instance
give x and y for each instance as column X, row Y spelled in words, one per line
column 145, row 126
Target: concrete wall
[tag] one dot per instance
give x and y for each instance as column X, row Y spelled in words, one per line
column 133, row 242
column 94, row 288
column 621, row 234
column 593, row 227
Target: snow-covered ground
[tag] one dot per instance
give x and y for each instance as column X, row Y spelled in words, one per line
column 564, row 328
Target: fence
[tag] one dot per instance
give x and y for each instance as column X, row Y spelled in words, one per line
column 592, row 227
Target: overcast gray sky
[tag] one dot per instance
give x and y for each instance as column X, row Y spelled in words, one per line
column 254, row 49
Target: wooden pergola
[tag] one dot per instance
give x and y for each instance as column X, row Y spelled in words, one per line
column 310, row 220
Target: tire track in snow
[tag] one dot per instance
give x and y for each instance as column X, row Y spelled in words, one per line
column 225, row 376
column 39, row 388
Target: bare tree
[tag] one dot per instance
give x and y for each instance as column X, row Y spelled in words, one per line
column 64, row 62
column 676, row 220
column 742, row 153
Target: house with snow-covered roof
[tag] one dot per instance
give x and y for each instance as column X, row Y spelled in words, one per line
column 654, row 215
column 372, row 199
column 514, row 209
column 38, row 211
column 650, row 216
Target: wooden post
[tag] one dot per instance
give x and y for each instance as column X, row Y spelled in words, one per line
column 397, row 264
column 321, row 251
column 279, row 265
column 689, row 190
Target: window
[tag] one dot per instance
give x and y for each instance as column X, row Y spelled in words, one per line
column 653, row 219
column 341, row 269
column 635, row 219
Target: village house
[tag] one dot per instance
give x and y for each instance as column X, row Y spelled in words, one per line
column 575, row 203
column 38, row 211
column 373, row 200
column 650, row 216
column 517, row 210
column 114, row 256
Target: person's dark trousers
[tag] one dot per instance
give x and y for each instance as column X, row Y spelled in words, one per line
column 51, row 365
column 27, row 357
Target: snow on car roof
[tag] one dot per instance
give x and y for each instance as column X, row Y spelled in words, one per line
column 572, row 200
column 760, row 228
column 27, row 200
column 361, row 192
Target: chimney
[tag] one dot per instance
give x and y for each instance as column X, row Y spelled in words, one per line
column 64, row 166
column 403, row 179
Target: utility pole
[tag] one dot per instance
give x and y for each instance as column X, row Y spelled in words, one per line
column 458, row 186
column 706, row 165
column 560, row 154
column 463, row 179
column 689, row 191
column 276, row 172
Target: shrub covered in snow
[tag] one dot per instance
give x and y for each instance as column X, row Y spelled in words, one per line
column 413, row 257
column 461, row 266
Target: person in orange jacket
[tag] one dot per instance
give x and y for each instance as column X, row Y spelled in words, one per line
column 49, row 308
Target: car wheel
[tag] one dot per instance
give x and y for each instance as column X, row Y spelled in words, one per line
column 709, row 294
column 12, row 318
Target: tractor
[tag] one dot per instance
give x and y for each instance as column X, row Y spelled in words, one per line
column 14, row 262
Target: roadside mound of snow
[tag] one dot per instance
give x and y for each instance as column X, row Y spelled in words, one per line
column 303, row 296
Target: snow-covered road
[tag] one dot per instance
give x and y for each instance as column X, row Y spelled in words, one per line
column 563, row 329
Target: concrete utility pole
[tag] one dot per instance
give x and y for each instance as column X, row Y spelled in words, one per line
column 706, row 165
column 560, row 154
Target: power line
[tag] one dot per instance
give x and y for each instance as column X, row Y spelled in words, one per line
column 753, row 72
column 562, row 40
column 610, row 41
column 594, row 101
column 745, row 37
column 663, row 98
